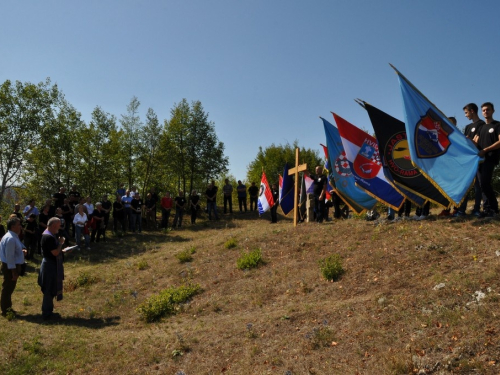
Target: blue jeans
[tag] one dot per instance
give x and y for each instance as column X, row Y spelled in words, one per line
column 135, row 222
column 79, row 232
column 212, row 206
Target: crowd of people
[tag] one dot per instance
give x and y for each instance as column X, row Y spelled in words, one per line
column 64, row 216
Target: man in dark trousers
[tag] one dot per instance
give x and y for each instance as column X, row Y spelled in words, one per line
column 488, row 141
column 319, row 190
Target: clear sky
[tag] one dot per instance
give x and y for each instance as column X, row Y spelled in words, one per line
column 264, row 70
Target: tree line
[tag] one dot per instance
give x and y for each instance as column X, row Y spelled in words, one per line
column 45, row 144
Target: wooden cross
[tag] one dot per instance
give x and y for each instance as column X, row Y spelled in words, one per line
column 295, row 171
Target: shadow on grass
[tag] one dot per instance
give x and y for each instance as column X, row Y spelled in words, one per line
column 93, row 323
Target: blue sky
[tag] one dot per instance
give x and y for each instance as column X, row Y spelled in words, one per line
column 264, row 70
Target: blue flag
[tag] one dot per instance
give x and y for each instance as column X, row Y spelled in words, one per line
column 363, row 155
column 286, row 200
column 440, row 151
column 340, row 173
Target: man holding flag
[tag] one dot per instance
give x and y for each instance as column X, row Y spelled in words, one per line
column 488, row 141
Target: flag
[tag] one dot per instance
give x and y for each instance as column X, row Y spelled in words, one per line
column 362, row 153
column 287, row 192
column 391, row 137
column 442, row 153
column 280, row 188
column 302, row 199
column 266, row 200
column 327, row 168
column 341, row 176
column 308, row 181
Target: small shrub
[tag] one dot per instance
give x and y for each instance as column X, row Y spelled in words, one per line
column 331, row 267
column 185, row 256
column 231, row 243
column 84, row 279
column 249, row 260
column 320, row 337
column 167, row 302
column 142, row 265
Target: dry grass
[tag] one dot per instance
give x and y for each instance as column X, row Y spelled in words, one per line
column 383, row 316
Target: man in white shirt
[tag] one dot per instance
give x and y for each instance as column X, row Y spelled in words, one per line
column 12, row 254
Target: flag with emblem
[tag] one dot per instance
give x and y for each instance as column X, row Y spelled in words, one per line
column 363, row 155
column 437, row 148
column 266, row 200
column 340, row 174
column 393, row 143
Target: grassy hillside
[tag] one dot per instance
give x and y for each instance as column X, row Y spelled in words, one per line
column 415, row 296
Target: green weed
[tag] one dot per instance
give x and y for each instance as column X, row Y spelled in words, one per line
column 331, row 267
column 167, row 302
column 231, row 243
column 249, row 260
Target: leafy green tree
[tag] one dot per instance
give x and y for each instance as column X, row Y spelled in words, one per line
column 272, row 159
column 196, row 154
column 150, row 158
column 131, row 126
column 97, row 153
column 24, row 109
column 52, row 162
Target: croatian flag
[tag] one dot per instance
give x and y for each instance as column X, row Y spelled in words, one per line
column 362, row 153
column 345, row 186
column 266, row 200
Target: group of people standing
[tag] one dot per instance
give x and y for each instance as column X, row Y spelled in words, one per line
column 180, row 203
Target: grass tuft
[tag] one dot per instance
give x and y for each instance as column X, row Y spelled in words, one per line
column 166, row 303
column 84, row 279
column 249, row 260
column 186, row 255
column 231, row 243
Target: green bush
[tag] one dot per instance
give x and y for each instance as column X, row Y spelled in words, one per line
column 167, row 302
column 249, row 260
column 84, row 279
column 142, row 265
column 331, row 267
column 185, row 256
column 231, row 243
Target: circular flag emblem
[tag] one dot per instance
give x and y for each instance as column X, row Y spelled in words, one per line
column 397, row 155
column 342, row 165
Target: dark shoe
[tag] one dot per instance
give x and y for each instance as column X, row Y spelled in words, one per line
column 487, row 214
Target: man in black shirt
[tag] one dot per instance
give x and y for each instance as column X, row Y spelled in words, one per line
column 253, row 191
column 274, row 208
column 319, row 191
column 211, row 194
column 118, row 214
column 180, row 203
column 470, row 131
column 488, row 141
column 136, row 215
column 51, row 274
column 59, row 197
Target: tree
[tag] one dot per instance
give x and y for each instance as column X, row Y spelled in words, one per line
column 97, row 154
column 150, row 161
column 24, row 109
column 196, row 154
column 131, row 125
column 52, row 163
column 272, row 159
